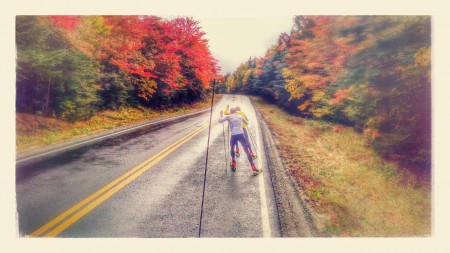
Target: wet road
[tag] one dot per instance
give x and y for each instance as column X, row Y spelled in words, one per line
column 149, row 184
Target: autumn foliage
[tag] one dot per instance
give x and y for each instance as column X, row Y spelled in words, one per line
column 71, row 67
column 369, row 72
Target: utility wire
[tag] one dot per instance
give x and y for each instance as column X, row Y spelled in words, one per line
column 206, row 164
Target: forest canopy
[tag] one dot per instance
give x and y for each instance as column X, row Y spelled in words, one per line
column 369, row 72
column 70, row 67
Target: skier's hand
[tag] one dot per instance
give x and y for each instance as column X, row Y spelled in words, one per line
column 221, row 113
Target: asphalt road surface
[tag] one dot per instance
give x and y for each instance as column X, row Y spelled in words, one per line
column 149, row 184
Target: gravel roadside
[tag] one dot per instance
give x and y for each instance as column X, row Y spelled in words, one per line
column 296, row 220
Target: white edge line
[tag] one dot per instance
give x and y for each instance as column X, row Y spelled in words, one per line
column 262, row 189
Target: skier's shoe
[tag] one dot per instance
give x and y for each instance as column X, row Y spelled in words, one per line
column 233, row 165
column 238, row 154
column 253, row 155
column 256, row 171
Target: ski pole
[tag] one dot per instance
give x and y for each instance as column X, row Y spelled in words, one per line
column 224, row 147
column 228, row 134
column 253, row 139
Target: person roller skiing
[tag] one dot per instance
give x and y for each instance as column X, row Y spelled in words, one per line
column 237, row 135
column 244, row 126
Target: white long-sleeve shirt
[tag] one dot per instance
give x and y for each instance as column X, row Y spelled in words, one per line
column 235, row 121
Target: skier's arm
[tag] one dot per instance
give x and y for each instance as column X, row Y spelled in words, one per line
column 227, row 110
column 244, row 120
column 222, row 119
column 245, row 115
column 244, row 125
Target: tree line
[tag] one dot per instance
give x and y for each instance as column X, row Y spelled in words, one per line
column 369, row 72
column 70, row 67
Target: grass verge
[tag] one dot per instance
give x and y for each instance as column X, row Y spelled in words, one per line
column 353, row 191
column 35, row 131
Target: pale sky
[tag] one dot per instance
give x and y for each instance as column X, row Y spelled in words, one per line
column 232, row 40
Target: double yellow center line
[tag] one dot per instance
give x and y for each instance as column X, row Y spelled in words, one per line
column 73, row 214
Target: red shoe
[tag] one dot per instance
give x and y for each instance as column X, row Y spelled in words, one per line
column 256, row 171
column 233, row 165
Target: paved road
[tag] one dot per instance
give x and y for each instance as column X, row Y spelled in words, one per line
column 149, row 184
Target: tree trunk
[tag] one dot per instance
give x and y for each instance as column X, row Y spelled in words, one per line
column 34, row 107
column 22, row 102
column 47, row 97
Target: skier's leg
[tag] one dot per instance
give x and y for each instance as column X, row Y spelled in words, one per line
column 233, row 142
column 248, row 142
column 249, row 157
column 241, row 139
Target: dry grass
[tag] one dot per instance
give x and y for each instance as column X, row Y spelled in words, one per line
column 34, row 131
column 352, row 189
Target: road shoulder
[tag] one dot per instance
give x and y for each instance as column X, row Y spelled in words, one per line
column 296, row 219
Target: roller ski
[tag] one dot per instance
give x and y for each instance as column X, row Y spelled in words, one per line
column 233, row 166
column 256, row 171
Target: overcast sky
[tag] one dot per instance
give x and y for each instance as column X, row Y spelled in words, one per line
column 232, row 40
